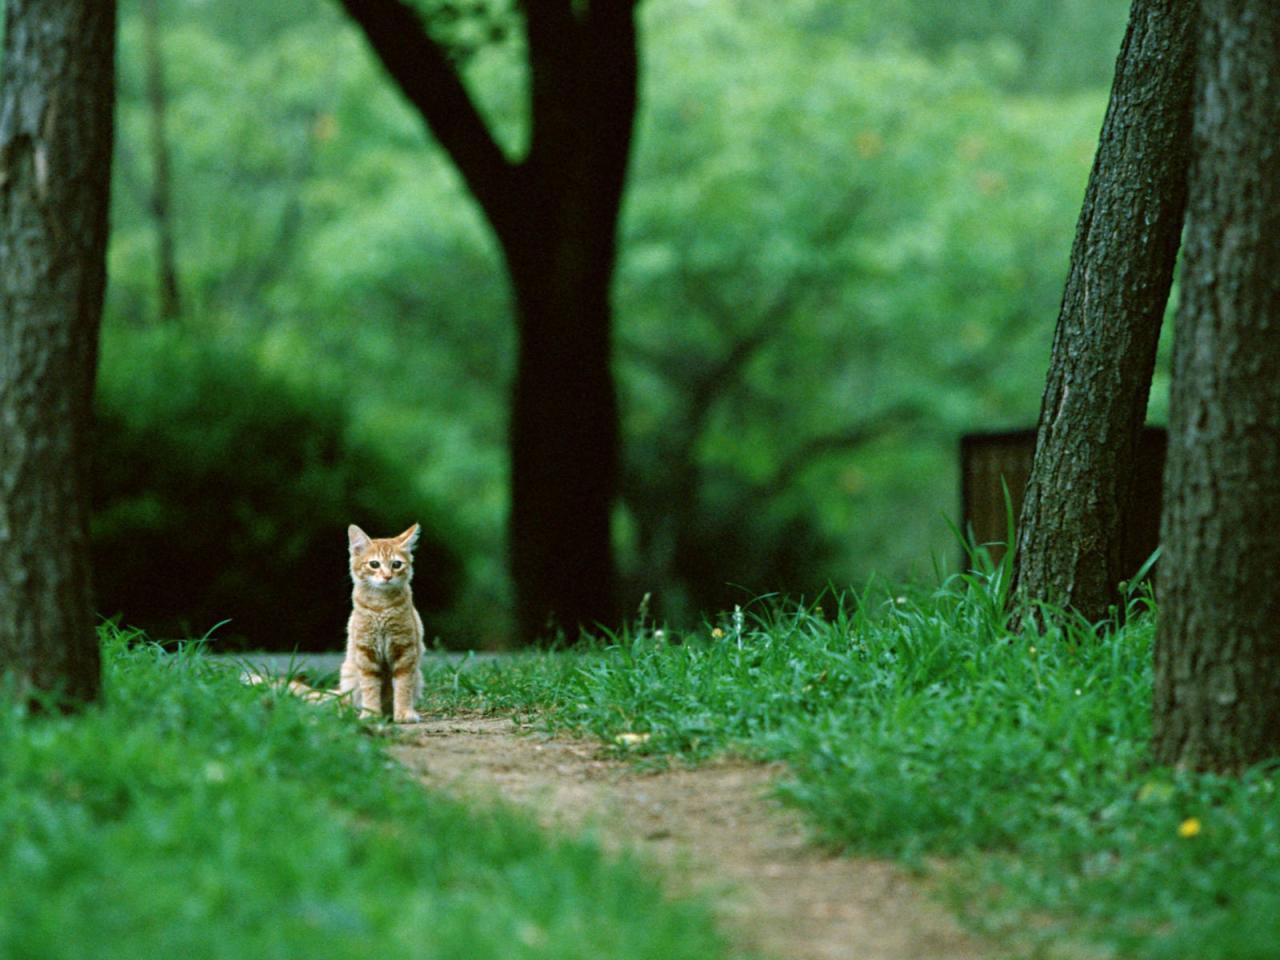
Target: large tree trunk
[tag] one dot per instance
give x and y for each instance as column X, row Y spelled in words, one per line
column 561, row 249
column 555, row 213
column 1072, row 529
column 56, row 96
column 1217, row 680
column 564, row 456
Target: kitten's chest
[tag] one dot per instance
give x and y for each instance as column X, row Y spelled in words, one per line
column 385, row 631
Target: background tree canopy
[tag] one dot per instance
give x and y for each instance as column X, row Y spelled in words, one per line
column 843, row 245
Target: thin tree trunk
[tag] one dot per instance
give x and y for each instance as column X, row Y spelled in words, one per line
column 1217, row 664
column 161, row 192
column 56, row 97
column 1072, row 530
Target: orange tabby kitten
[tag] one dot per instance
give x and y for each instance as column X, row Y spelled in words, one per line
column 384, row 633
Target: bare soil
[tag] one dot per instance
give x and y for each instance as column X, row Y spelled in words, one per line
column 711, row 829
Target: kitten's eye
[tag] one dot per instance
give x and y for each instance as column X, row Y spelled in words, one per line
column 375, row 564
column 396, row 564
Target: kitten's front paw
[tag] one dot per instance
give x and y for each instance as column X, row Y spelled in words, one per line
column 408, row 716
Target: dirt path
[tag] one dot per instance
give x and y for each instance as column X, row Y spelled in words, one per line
column 713, row 829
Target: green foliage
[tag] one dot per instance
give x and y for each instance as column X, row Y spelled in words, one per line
column 1058, row 46
column 194, row 816
column 223, row 492
column 844, row 243
column 864, row 247
column 316, row 227
column 915, row 725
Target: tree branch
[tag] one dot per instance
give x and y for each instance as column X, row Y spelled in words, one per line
column 816, row 448
column 554, row 36
column 583, row 68
column 421, row 68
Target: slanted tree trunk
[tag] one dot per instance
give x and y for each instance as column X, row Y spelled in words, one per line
column 555, row 213
column 56, row 95
column 1217, row 663
column 1072, row 530
column 161, row 192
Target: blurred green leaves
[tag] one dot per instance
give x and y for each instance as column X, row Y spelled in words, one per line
column 839, row 255
column 221, row 492
column 844, row 244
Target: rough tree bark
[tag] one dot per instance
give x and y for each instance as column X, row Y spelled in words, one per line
column 555, row 213
column 1071, row 532
column 56, row 96
column 1217, row 663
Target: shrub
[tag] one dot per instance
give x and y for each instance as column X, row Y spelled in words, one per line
column 222, row 492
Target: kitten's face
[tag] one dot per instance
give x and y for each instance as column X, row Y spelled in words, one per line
column 384, row 564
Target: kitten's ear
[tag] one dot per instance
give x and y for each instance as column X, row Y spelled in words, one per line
column 408, row 539
column 357, row 539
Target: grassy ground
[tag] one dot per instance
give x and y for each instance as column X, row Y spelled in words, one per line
column 916, row 725
column 194, row 817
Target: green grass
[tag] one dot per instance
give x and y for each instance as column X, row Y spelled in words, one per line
column 191, row 816
column 917, row 725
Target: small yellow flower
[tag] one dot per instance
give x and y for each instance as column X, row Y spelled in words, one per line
column 1189, row 827
column 631, row 739
column 717, row 634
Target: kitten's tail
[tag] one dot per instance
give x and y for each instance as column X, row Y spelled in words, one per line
column 296, row 687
